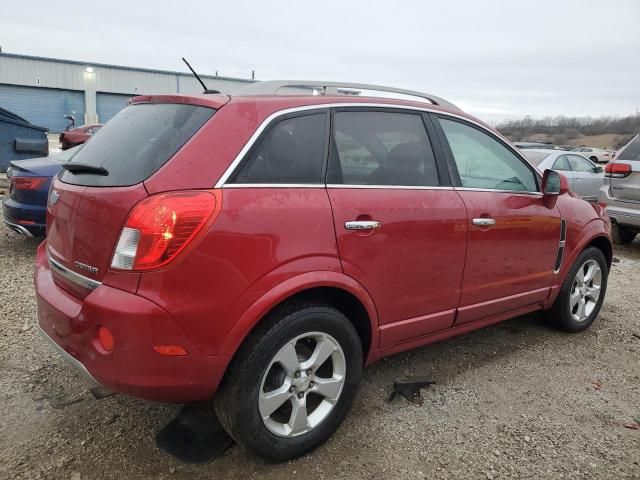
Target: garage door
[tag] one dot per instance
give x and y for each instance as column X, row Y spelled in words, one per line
column 109, row 104
column 44, row 107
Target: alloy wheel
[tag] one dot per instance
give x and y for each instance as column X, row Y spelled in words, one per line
column 302, row 384
column 585, row 290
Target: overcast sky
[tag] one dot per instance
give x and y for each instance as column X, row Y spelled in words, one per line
column 496, row 59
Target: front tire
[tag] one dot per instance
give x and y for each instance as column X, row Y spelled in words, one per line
column 292, row 382
column 623, row 235
column 582, row 293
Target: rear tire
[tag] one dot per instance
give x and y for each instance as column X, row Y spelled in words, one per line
column 582, row 293
column 279, row 399
column 623, row 235
column 594, row 159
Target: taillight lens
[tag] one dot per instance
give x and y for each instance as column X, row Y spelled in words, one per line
column 162, row 226
column 617, row 170
column 28, row 183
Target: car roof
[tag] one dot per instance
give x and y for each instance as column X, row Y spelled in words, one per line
column 274, row 103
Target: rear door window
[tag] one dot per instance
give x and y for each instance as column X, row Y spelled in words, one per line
column 579, row 164
column 135, row 143
column 382, row 148
column 291, row 152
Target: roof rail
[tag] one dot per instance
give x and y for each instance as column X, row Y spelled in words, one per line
column 334, row 88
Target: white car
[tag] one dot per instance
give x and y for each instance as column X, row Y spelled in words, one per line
column 585, row 177
column 598, row 155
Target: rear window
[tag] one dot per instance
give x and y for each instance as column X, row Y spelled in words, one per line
column 135, row 143
column 631, row 151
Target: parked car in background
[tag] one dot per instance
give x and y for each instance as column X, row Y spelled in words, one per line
column 261, row 249
column 24, row 210
column 77, row 136
column 598, row 155
column 585, row 177
column 533, row 145
column 620, row 192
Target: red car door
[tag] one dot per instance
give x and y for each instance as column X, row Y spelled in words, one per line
column 514, row 232
column 401, row 231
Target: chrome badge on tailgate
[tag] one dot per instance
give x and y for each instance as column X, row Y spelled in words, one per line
column 85, row 267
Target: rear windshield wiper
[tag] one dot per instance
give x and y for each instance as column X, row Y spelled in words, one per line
column 75, row 167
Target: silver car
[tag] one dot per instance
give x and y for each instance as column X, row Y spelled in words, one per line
column 620, row 191
column 585, row 177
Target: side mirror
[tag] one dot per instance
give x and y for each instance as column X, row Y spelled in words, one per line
column 599, row 169
column 554, row 183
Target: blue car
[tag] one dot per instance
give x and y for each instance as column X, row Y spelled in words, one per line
column 25, row 209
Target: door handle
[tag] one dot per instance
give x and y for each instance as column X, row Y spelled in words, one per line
column 362, row 225
column 483, row 222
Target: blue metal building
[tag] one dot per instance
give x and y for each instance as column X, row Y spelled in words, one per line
column 44, row 90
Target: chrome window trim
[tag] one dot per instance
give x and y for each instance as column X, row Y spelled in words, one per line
column 387, row 187
column 323, row 106
column 497, row 190
column 273, row 185
column 73, row 276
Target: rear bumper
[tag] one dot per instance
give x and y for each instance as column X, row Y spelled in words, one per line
column 133, row 367
column 69, row 359
column 622, row 213
column 25, row 219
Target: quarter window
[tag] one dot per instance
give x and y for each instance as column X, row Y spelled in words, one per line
column 382, row 148
column 484, row 162
column 292, row 151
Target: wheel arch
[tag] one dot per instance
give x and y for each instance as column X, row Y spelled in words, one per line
column 592, row 235
column 603, row 244
column 335, row 289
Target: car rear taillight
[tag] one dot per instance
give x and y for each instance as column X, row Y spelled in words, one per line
column 28, row 183
column 162, row 226
column 617, row 170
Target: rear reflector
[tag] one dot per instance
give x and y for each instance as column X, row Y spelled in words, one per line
column 162, row 226
column 105, row 339
column 28, row 183
column 170, row 350
column 617, row 170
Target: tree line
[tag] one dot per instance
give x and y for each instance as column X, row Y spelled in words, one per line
column 561, row 129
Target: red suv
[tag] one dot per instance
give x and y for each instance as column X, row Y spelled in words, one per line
column 261, row 249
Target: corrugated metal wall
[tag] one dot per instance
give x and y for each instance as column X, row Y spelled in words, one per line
column 22, row 77
column 36, row 72
column 109, row 104
column 44, row 107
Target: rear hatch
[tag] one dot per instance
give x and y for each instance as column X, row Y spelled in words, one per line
column 624, row 173
column 92, row 196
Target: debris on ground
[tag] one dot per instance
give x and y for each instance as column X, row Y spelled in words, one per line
column 632, row 425
column 194, row 435
column 101, row 392
column 410, row 390
column 597, row 385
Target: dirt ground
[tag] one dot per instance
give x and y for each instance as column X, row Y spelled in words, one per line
column 517, row 400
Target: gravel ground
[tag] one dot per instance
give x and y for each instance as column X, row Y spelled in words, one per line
column 517, row 400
